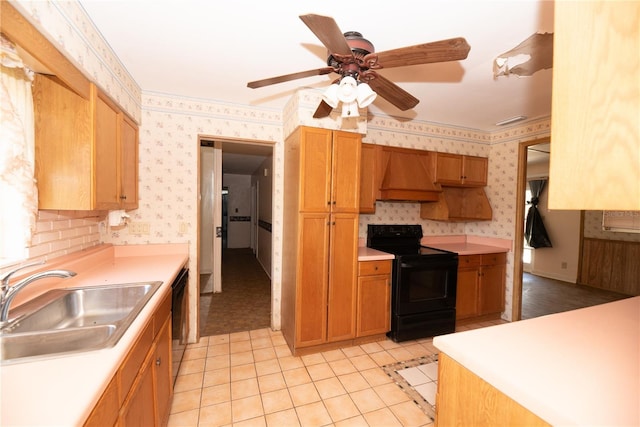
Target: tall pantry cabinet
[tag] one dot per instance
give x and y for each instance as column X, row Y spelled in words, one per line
column 320, row 247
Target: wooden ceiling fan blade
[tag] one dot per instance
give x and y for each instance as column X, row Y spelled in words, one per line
column 392, row 92
column 323, row 110
column 441, row 51
column 289, row 77
column 328, row 32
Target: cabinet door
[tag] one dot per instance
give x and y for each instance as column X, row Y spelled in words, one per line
column 63, row 137
column 105, row 413
column 162, row 375
column 128, row 164
column 343, row 255
column 474, row 171
column 106, row 156
column 138, row 409
column 491, row 293
column 374, row 305
column 449, row 168
column 467, row 293
column 594, row 125
column 345, row 172
column 315, row 170
column 312, row 271
column 368, row 179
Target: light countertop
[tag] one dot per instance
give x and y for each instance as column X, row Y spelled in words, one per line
column 368, row 254
column 467, row 244
column 580, row 367
column 63, row 390
column 460, row 244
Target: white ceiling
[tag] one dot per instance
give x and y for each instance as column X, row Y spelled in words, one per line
column 211, row 49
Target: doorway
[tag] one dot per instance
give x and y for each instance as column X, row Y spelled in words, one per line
column 546, row 279
column 235, row 196
column 519, row 246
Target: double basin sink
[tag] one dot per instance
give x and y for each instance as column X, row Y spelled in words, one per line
column 71, row 320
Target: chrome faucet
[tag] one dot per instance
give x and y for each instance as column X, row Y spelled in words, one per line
column 7, row 293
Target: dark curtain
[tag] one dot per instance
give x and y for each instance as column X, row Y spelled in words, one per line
column 534, row 231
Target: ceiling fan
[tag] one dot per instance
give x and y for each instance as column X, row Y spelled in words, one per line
column 355, row 60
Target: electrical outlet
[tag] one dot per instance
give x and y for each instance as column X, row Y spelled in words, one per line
column 139, row 228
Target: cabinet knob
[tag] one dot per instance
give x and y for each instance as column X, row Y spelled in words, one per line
column 158, row 361
column 375, row 268
column 123, row 197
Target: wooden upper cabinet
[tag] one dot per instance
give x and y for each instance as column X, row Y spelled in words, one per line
column 330, row 161
column 128, row 163
column 345, row 174
column 369, row 185
column 458, row 170
column 105, row 173
column 595, row 125
column 315, row 161
column 63, row 152
column 86, row 150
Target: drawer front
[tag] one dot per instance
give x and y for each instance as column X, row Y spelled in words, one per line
column 369, row 268
column 469, row 261
column 494, row 259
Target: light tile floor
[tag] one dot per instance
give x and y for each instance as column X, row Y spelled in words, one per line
column 251, row 379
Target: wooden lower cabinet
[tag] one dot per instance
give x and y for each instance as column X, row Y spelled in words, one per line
column 138, row 408
column 465, row 399
column 163, row 384
column 373, row 315
column 481, row 285
column 140, row 392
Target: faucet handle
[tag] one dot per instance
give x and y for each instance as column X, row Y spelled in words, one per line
column 6, row 277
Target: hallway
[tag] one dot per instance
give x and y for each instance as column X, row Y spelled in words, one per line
column 245, row 301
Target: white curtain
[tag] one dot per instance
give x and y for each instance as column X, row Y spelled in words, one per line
column 19, row 197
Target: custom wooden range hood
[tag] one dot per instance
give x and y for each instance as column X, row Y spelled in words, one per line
column 406, row 175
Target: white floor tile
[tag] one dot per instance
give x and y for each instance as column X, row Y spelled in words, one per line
column 428, row 391
column 430, row 370
column 414, row 376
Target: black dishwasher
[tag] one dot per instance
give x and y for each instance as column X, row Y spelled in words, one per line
column 179, row 320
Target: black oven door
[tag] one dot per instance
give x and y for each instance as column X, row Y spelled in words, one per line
column 424, row 283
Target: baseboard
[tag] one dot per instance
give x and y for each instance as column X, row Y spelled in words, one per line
column 561, row 278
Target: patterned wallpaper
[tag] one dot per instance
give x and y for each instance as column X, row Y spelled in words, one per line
column 171, row 125
column 68, row 27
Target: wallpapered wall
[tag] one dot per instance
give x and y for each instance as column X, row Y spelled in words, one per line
column 170, row 127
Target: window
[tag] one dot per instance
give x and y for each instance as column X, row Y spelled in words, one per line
column 19, row 193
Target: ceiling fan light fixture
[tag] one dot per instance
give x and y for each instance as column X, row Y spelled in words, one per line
column 348, row 89
column 330, row 96
column 350, row 109
column 366, row 95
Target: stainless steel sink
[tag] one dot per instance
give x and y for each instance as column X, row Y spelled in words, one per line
column 17, row 347
column 73, row 320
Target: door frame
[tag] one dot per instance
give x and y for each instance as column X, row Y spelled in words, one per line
column 518, row 246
